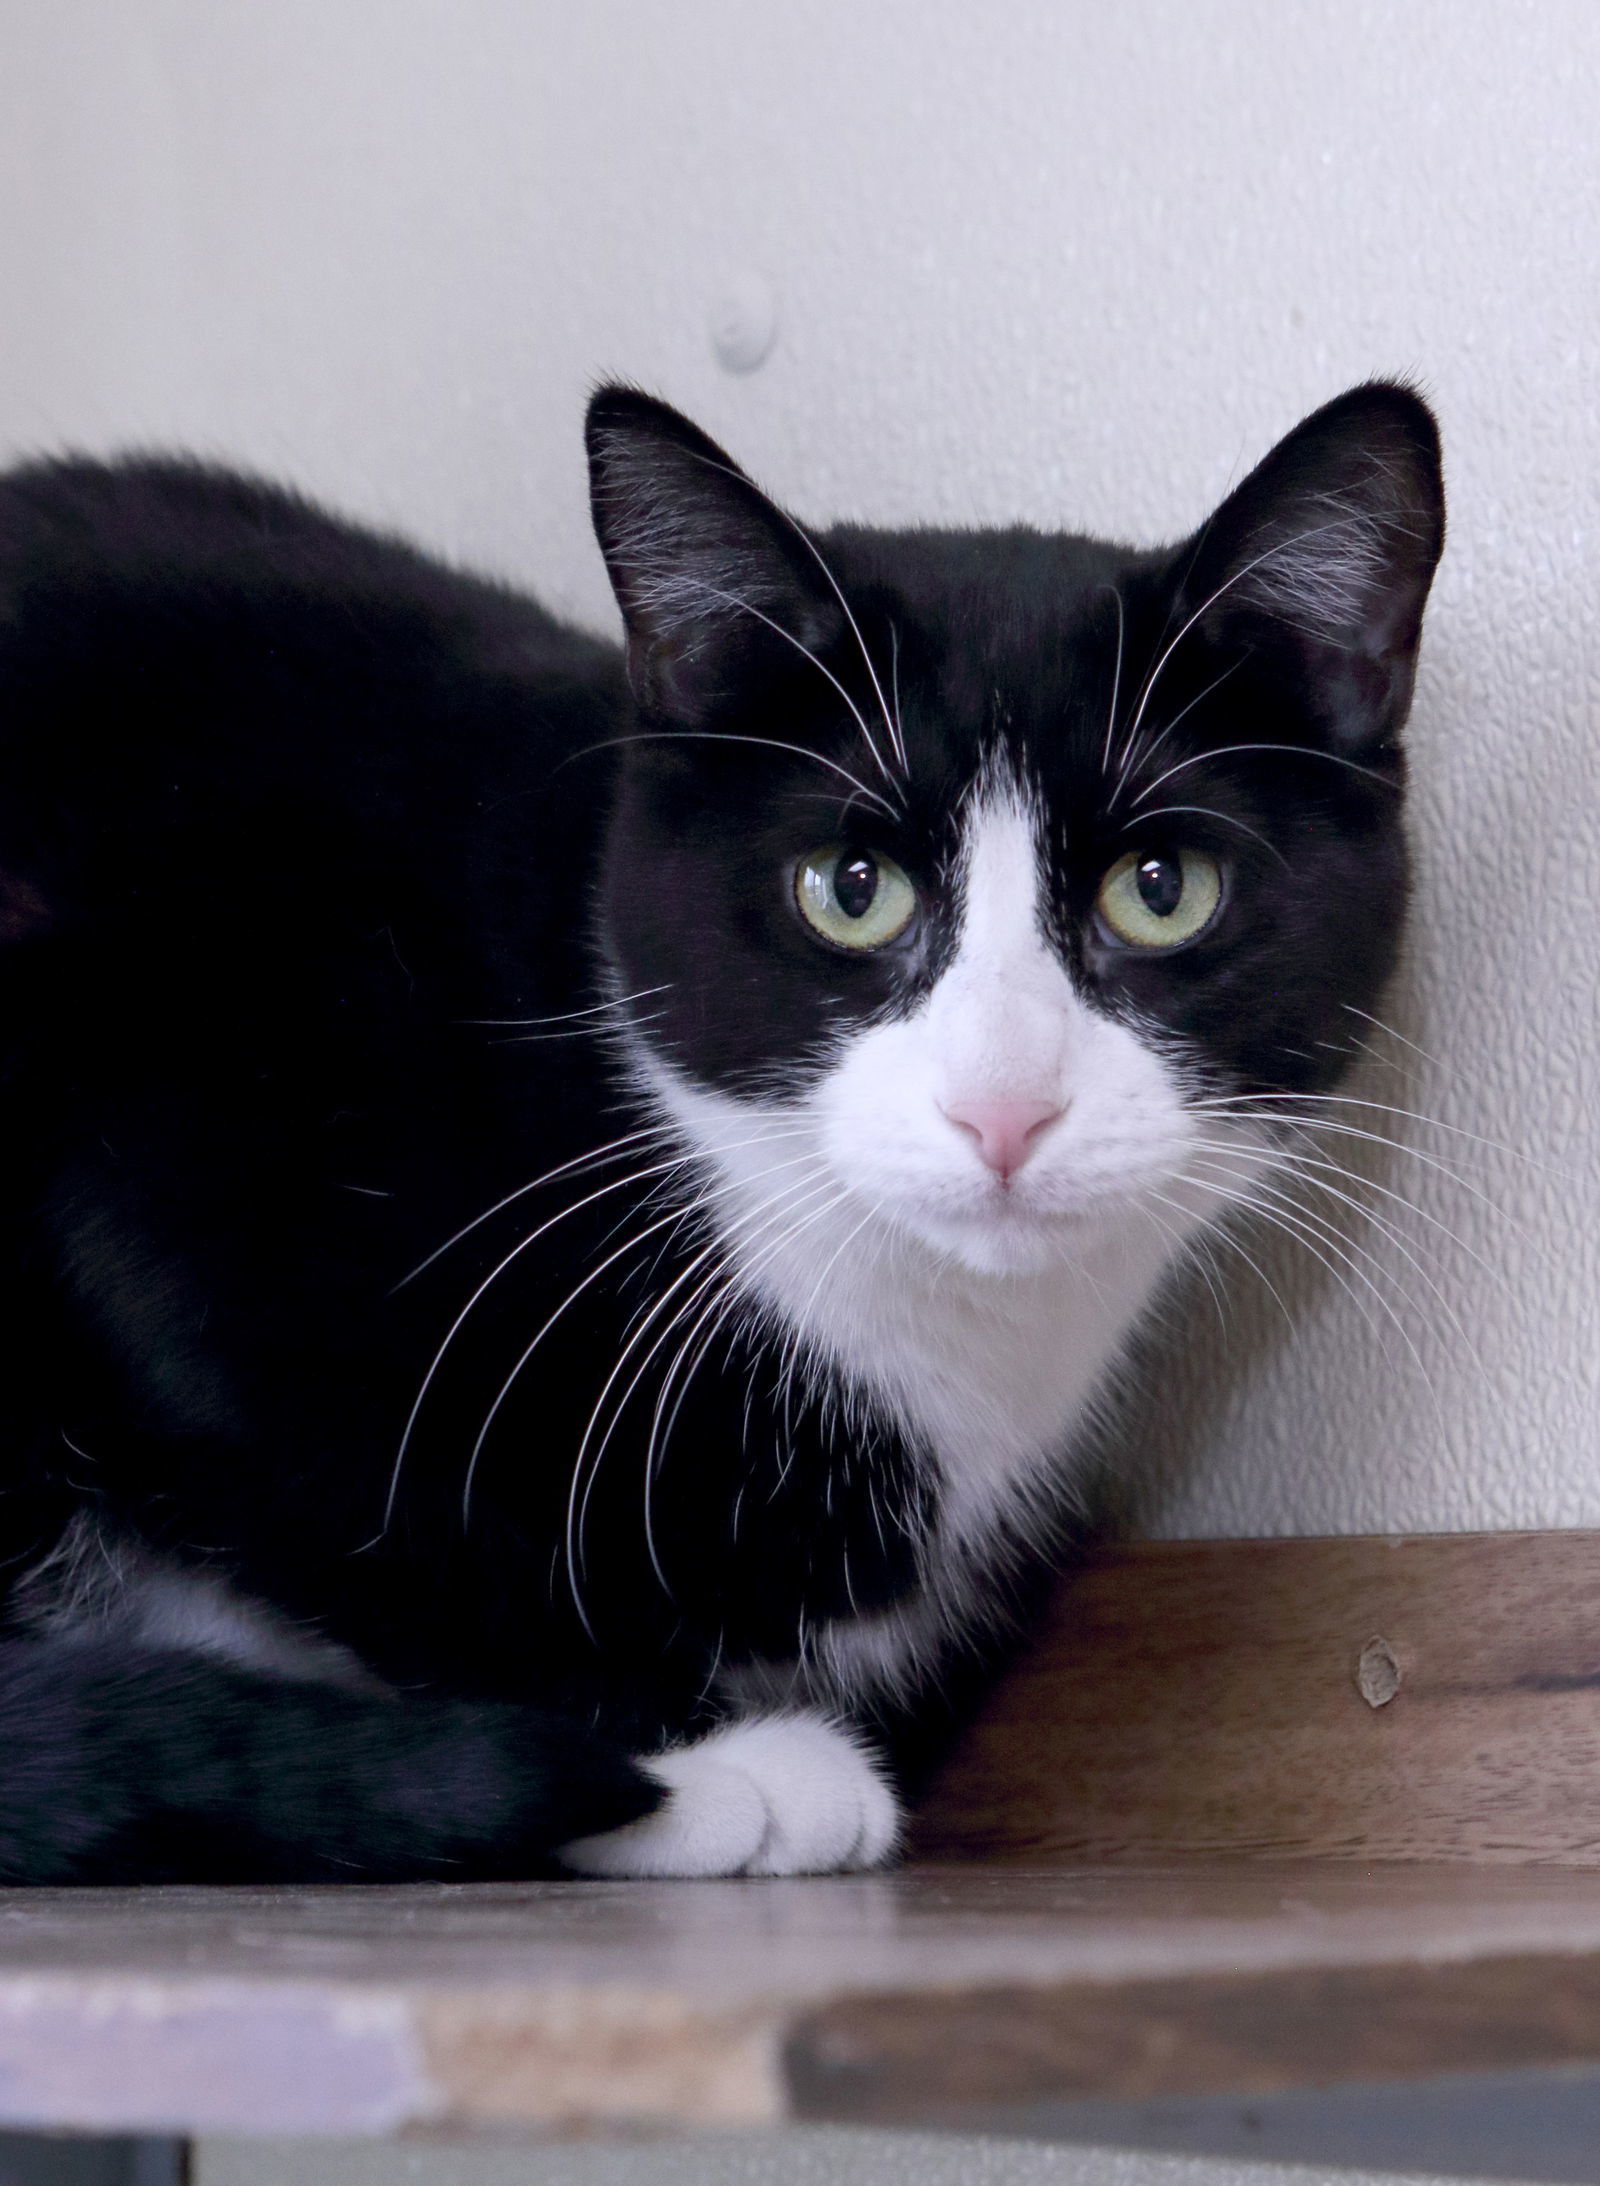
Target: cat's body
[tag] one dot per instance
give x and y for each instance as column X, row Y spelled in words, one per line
column 507, row 1269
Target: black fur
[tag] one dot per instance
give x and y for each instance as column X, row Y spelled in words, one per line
column 294, row 825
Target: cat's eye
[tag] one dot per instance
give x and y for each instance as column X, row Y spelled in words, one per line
column 857, row 899
column 1156, row 899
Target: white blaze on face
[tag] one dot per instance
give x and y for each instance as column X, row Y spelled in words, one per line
column 980, row 1298
column 1000, row 1021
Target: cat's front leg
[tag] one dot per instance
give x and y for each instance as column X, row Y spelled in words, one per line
column 790, row 1794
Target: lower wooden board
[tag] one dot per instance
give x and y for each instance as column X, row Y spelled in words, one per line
column 1433, row 1697
column 937, row 1996
column 998, row 2052
column 1250, row 1817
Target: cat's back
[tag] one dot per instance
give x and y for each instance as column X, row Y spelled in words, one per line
column 160, row 605
column 240, row 738
column 199, row 533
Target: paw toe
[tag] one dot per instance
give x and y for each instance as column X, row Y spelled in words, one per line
column 712, row 1823
column 777, row 1795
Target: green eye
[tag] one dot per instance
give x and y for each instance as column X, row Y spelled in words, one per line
column 854, row 898
column 1157, row 899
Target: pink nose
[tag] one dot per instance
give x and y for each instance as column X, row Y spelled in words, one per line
column 1006, row 1131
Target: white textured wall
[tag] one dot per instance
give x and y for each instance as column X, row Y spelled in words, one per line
column 1048, row 259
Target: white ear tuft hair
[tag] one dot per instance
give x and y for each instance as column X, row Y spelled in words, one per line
column 709, row 574
column 1322, row 559
column 1333, row 560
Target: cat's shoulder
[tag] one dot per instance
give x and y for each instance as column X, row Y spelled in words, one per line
column 176, row 603
column 212, row 536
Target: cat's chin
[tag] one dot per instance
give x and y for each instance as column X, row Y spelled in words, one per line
column 1009, row 1241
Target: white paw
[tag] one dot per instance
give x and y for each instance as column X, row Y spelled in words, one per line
column 778, row 1795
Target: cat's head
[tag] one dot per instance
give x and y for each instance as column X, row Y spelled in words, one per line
column 1019, row 867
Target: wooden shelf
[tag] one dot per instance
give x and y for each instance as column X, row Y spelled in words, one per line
column 1197, row 1847
column 936, row 1996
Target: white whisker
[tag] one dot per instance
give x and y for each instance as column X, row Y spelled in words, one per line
column 618, row 1184
column 565, row 1017
column 732, row 599
column 717, row 1312
column 1309, row 1166
column 721, row 736
column 1385, row 1229
column 816, row 553
column 571, row 1299
column 1300, row 1225
column 1278, row 547
column 1223, row 1235
column 1116, row 681
column 600, row 1031
column 1379, row 1025
column 1133, row 755
column 1253, row 1105
column 577, row 1505
column 1226, row 819
column 1295, row 751
column 894, row 686
column 579, row 1162
column 674, row 1164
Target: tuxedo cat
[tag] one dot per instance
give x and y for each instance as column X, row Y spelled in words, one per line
column 566, row 1218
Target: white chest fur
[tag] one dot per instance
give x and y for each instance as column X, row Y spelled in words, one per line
column 978, row 1310
column 991, row 1374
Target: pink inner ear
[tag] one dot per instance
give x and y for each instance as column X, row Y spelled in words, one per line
column 23, row 911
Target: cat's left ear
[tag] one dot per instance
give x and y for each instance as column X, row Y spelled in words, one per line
column 717, row 587
column 1318, row 565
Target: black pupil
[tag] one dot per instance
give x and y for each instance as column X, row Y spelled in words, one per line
column 1160, row 882
column 855, row 883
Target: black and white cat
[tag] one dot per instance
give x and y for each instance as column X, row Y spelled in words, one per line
column 564, row 1226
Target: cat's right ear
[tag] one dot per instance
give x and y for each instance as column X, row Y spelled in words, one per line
column 1319, row 563
column 717, row 587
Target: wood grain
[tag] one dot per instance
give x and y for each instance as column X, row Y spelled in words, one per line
column 944, row 2060
column 1416, row 1721
column 940, row 1996
column 1424, row 1698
